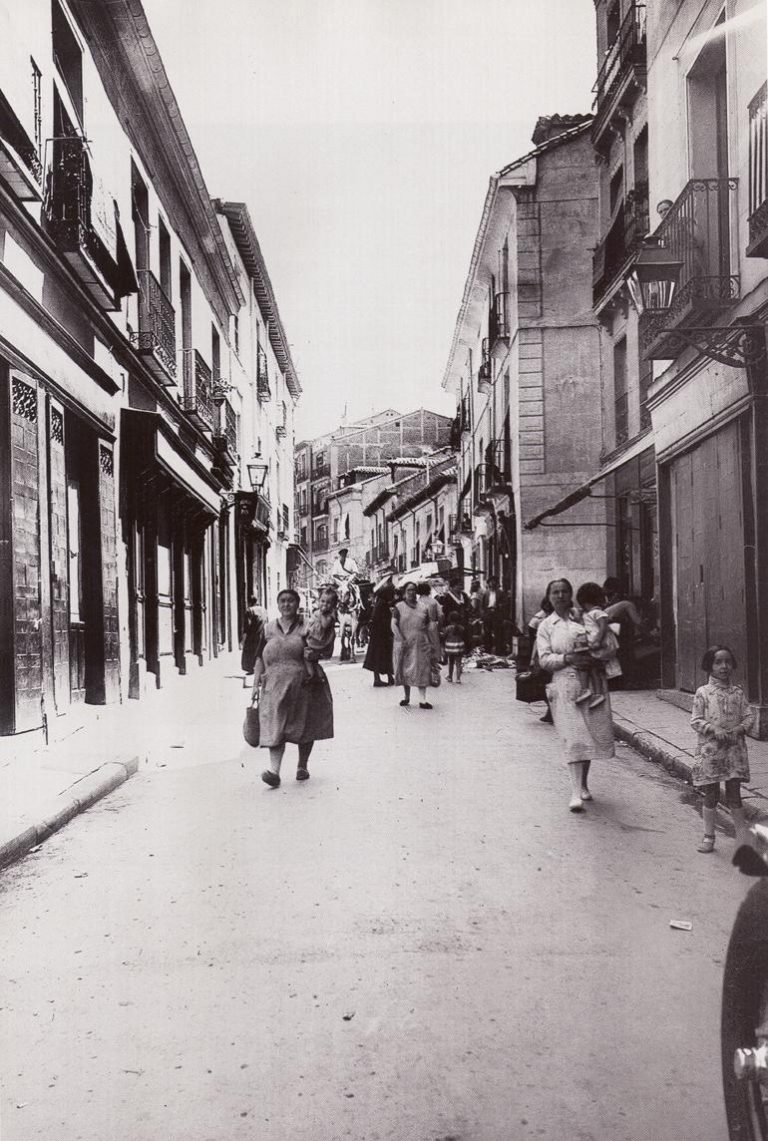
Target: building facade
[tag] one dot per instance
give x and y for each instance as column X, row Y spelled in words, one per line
column 525, row 369
column 124, row 424
column 708, row 168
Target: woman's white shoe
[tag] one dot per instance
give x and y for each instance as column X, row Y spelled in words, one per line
column 575, row 804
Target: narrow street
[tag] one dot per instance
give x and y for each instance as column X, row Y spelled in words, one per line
column 420, row 943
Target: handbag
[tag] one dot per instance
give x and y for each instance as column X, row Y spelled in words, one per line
column 531, row 686
column 434, row 676
column 251, row 730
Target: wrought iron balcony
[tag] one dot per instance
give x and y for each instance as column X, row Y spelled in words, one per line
column 758, row 175
column 20, row 164
column 485, row 371
column 625, row 235
column 155, row 338
column 263, row 390
column 623, row 70
column 697, row 232
column 498, row 465
column 320, row 544
column 319, row 471
column 198, row 395
column 225, row 439
column 81, row 219
column 498, row 324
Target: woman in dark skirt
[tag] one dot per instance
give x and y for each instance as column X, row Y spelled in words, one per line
column 378, row 656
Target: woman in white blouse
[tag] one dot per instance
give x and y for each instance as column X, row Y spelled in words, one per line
column 586, row 734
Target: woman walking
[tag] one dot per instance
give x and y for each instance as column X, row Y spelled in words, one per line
column 378, row 655
column 414, row 652
column 289, row 710
column 586, row 734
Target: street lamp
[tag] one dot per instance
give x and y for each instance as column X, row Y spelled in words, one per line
column 257, row 474
column 654, row 278
column 652, row 284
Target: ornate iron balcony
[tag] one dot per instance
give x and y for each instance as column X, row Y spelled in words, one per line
column 625, row 60
column 498, row 324
column 226, row 438
column 155, row 338
column 697, row 231
column 614, row 253
column 198, row 385
column 81, row 219
column 758, row 175
column 263, row 390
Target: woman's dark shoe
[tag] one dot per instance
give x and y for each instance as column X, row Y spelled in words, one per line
column 425, row 705
column 302, row 774
column 377, row 683
column 270, row 778
column 405, row 701
column 390, row 680
column 547, row 719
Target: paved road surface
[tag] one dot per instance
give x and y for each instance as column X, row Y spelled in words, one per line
column 420, row 943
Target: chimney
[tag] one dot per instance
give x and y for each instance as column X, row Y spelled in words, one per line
column 550, row 126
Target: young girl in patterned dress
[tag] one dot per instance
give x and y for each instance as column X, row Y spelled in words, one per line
column 721, row 717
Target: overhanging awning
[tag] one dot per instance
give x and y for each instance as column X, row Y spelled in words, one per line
column 583, row 490
column 155, row 443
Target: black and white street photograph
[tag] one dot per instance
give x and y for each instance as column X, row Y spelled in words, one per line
column 383, row 570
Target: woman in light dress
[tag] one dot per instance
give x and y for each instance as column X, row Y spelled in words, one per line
column 414, row 654
column 586, row 734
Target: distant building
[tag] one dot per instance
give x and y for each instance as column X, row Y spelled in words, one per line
column 329, row 468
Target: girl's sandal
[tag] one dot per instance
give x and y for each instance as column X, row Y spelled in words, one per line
column 707, row 844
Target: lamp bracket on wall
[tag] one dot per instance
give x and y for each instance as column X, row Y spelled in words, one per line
column 737, row 346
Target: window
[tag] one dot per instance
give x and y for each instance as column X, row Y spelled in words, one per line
column 612, row 22
column 67, row 57
column 37, row 103
column 236, row 333
column 621, row 407
column 164, row 251
column 616, row 189
column 142, row 229
column 215, row 355
column 336, row 530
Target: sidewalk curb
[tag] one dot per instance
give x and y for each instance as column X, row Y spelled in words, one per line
column 675, row 761
column 80, row 796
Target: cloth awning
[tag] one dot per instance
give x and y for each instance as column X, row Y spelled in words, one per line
column 583, row 490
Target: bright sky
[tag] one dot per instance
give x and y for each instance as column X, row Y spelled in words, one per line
column 361, row 134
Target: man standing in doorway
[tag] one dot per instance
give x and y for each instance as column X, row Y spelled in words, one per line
column 493, row 609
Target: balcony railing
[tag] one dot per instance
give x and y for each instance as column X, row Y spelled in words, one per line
column 226, row 437
column 81, row 219
column 629, row 227
column 498, row 463
column 155, row 338
column 320, row 505
column 625, row 60
column 320, row 543
column 263, row 390
column 498, row 324
column 319, row 471
column 484, row 372
column 758, row 175
column 697, row 232
column 20, row 164
column 198, row 385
